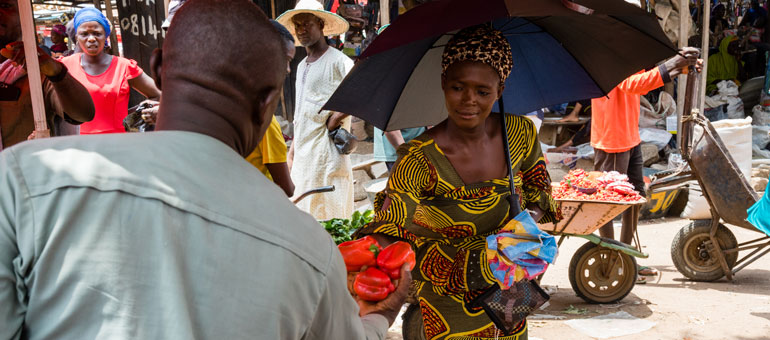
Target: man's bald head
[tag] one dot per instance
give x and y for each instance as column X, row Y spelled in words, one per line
column 224, row 57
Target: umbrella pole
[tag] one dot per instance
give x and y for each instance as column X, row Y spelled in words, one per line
column 33, row 68
column 513, row 199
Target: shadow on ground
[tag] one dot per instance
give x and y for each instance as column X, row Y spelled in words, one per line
column 746, row 281
column 565, row 305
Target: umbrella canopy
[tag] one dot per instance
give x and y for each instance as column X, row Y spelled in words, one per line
column 562, row 51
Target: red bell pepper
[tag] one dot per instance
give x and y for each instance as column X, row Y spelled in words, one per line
column 359, row 253
column 392, row 258
column 373, row 285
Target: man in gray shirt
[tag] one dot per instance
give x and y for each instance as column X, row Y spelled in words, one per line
column 172, row 234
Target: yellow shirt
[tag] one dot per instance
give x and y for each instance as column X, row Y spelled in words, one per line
column 272, row 149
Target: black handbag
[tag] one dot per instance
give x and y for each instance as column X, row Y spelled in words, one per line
column 508, row 308
column 344, row 141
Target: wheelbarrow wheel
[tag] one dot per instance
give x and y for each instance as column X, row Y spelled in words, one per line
column 601, row 275
column 692, row 258
column 412, row 328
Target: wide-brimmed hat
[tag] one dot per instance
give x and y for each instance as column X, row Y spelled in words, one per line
column 333, row 23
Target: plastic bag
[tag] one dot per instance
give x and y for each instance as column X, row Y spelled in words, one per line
column 675, row 161
column 728, row 88
column 758, row 152
column 654, row 116
column 345, row 142
column 760, row 135
column 735, row 108
column 659, row 138
column 761, row 115
column 585, row 151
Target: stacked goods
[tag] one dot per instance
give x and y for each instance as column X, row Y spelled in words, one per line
column 376, row 267
column 596, row 186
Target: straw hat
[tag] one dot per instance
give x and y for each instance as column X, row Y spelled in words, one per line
column 333, row 23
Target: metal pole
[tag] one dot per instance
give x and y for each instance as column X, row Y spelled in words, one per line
column 704, row 50
column 384, row 12
column 33, row 68
column 684, row 20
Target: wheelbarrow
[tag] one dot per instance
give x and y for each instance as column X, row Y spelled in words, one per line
column 602, row 270
column 706, row 250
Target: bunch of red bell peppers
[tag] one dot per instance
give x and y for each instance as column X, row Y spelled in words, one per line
column 381, row 265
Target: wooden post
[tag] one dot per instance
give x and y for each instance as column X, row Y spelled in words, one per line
column 33, row 68
column 704, row 53
column 384, row 12
column 113, row 38
column 115, row 24
column 684, row 29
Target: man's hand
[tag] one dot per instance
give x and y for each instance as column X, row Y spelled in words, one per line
column 391, row 306
column 687, row 56
column 150, row 115
column 335, row 120
column 48, row 66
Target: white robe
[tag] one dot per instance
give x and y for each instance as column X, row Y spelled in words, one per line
column 316, row 161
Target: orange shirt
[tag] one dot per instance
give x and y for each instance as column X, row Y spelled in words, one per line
column 615, row 118
column 109, row 91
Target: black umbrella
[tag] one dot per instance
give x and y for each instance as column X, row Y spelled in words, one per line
column 562, row 51
column 559, row 55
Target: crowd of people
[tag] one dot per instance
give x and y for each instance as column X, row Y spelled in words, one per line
column 175, row 234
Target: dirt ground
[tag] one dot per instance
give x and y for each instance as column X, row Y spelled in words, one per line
column 681, row 309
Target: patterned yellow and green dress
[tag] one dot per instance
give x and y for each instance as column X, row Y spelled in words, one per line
column 447, row 221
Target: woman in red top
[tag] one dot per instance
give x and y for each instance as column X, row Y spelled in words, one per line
column 107, row 78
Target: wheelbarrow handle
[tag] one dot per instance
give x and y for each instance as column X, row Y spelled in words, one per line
column 328, row 188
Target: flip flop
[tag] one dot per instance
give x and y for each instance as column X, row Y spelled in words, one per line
column 640, row 280
column 647, row 271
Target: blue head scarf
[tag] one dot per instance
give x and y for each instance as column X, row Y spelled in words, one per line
column 89, row 14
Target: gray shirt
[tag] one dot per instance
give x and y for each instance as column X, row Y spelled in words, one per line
column 163, row 235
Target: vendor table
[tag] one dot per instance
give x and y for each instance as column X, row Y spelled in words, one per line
column 559, row 126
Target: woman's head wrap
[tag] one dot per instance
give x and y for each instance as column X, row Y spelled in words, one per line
column 59, row 29
column 482, row 44
column 89, row 14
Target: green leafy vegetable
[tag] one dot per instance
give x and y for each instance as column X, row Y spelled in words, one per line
column 342, row 228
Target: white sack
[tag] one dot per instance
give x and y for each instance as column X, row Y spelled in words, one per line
column 736, row 136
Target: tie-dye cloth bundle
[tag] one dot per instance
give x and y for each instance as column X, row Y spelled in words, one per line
column 520, row 250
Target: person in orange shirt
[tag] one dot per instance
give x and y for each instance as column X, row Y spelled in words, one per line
column 615, row 129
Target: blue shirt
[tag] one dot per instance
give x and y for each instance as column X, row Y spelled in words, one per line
column 384, row 151
column 759, row 213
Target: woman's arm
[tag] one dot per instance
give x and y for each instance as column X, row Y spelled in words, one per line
column 146, row 86
column 66, row 94
column 394, row 208
column 281, row 177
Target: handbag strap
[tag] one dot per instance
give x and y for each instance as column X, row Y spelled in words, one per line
column 513, row 199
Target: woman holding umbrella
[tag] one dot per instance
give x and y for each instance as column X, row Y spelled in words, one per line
column 108, row 78
column 449, row 189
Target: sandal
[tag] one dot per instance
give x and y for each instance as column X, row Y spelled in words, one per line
column 640, row 280
column 647, row 271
